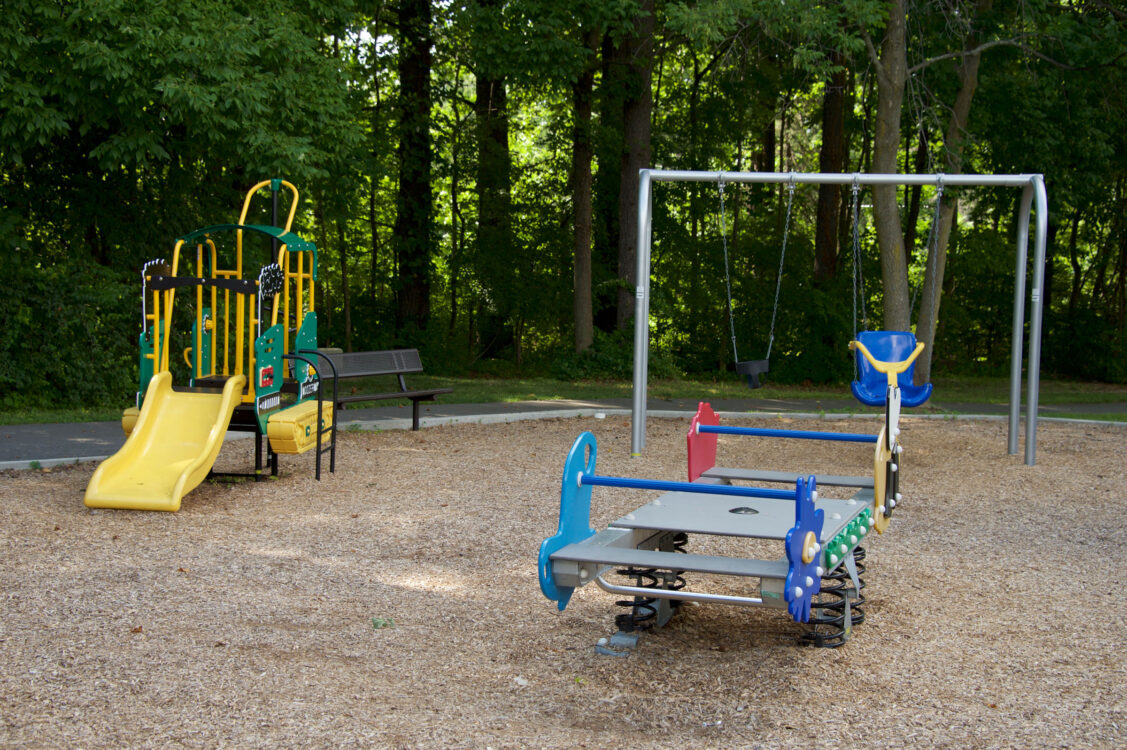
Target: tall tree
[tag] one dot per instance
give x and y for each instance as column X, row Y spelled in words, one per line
column 496, row 246
column 414, row 201
column 638, row 47
column 831, row 158
column 582, row 91
column 892, row 72
column 954, row 140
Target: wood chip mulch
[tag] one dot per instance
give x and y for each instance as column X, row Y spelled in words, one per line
column 395, row 604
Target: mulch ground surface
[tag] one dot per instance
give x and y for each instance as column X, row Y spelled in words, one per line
column 395, row 604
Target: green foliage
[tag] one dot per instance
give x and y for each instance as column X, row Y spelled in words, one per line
column 1085, row 345
column 69, row 338
column 611, row 356
column 975, row 326
column 124, row 125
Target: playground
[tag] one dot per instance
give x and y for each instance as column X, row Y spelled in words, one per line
column 394, row 603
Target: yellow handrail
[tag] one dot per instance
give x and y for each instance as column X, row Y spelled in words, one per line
column 890, row 369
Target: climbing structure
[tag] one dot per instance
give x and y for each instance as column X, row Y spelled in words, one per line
column 250, row 361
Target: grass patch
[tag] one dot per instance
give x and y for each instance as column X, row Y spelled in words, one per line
column 472, row 390
column 1081, row 415
column 61, row 416
column 997, row 391
column 490, row 390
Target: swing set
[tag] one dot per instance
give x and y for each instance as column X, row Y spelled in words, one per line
column 883, row 358
column 898, row 347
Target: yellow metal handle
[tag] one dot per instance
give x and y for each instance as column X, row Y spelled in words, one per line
column 890, row 369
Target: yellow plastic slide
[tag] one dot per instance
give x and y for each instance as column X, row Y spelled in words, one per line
column 170, row 450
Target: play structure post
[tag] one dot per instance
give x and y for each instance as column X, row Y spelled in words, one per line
column 1033, row 195
column 641, row 315
column 1033, row 390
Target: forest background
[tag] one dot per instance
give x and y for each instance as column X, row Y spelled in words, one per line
column 469, row 173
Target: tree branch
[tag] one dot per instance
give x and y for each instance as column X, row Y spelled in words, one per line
column 874, row 56
column 1119, row 15
column 1014, row 42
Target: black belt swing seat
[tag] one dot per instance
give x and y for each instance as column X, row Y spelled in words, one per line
column 751, row 369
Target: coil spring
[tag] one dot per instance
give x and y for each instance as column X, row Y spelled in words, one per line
column 643, row 609
column 679, row 543
column 827, row 611
column 642, row 612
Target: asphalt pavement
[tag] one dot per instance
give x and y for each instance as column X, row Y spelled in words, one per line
column 27, row 445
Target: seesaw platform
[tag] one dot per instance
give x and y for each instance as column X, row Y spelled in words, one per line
column 632, row 539
column 756, row 518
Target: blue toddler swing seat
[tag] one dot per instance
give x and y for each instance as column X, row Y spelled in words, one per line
column 871, row 386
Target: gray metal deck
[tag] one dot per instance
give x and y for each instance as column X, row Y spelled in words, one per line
column 785, row 477
column 751, row 517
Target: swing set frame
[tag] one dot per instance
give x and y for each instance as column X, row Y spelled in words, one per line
column 1033, row 195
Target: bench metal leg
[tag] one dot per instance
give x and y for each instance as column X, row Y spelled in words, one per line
column 414, row 414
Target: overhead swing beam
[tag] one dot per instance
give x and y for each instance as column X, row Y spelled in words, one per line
column 1033, row 195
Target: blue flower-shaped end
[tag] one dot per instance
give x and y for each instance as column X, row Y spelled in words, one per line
column 575, row 516
column 803, row 547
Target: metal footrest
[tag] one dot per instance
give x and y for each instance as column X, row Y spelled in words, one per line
column 647, row 558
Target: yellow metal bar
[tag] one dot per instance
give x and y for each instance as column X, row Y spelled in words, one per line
column 156, row 333
column 240, row 312
column 293, row 205
column 285, row 311
column 226, row 332
column 214, row 303
column 312, row 286
column 198, row 343
column 285, row 259
column 252, row 334
column 163, row 361
column 266, row 183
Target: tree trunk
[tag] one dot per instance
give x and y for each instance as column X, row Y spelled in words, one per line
column 831, row 159
column 892, row 73
column 374, row 277
column 636, row 155
column 915, row 197
column 457, row 221
column 324, row 299
column 582, row 154
column 345, row 296
column 495, row 250
column 954, row 140
column 1074, row 262
column 610, row 97
column 413, row 199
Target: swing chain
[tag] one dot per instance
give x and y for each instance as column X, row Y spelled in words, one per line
column 727, row 274
column 782, row 257
column 858, row 278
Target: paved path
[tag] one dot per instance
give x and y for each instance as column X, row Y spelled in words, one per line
column 54, row 444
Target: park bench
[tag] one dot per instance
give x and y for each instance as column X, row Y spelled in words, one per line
column 397, row 362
